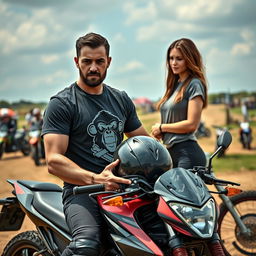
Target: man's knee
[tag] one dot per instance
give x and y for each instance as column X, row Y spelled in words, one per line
column 85, row 247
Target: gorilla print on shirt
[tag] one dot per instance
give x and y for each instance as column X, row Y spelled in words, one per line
column 106, row 130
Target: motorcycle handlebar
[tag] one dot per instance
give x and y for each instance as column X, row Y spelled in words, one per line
column 88, row 189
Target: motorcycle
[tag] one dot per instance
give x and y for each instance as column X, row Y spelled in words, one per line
column 202, row 131
column 37, row 146
column 13, row 143
column 175, row 216
column 245, row 135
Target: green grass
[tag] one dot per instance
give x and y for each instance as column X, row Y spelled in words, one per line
column 234, row 163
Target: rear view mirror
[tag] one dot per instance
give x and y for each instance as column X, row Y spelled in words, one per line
column 224, row 139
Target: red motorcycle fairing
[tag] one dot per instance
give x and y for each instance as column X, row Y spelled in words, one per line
column 165, row 212
column 18, row 189
column 125, row 217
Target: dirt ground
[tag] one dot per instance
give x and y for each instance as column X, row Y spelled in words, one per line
column 16, row 166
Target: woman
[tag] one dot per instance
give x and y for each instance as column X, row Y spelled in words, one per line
column 182, row 104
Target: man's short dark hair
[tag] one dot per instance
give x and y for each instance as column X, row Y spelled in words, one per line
column 92, row 40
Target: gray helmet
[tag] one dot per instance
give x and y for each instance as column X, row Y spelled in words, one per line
column 142, row 155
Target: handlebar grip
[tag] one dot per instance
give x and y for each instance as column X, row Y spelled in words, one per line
column 88, row 189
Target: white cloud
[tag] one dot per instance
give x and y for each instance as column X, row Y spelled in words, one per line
column 131, row 66
column 162, row 30
column 199, row 9
column 247, row 34
column 241, row 49
column 47, row 59
column 246, row 47
column 119, row 38
column 59, row 75
column 27, row 35
column 135, row 14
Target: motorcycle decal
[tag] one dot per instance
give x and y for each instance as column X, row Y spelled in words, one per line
column 106, row 130
column 18, row 189
column 164, row 211
column 179, row 229
column 140, row 234
column 169, row 216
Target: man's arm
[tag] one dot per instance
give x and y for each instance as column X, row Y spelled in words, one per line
column 140, row 131
column 62, row 167
column 59, row 165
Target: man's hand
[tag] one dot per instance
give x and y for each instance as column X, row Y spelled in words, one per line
column 109, row 179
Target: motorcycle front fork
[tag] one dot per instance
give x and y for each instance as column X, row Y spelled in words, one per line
column 233, row 211
column 178, row 248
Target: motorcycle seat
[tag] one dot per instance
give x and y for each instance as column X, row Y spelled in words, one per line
column 40, row 186
column 47, row 202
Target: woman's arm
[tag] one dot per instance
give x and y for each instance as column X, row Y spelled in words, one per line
column 195, row 107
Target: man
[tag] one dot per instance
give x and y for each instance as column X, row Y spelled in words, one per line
column 83, row 125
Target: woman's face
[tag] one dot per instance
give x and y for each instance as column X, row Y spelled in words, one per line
column 178, row 63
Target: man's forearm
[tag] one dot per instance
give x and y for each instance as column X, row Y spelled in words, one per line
column 68, row 171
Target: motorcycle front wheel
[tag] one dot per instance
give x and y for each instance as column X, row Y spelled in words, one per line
column 35, row 154
column 25, row 148
column 1, row 150
column 25, row 243
column 234, row 241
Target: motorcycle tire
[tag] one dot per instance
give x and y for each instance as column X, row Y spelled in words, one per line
column 207, row 132
column 25, row 148
column 235, row 242
column 35, row 155
column 1, row 150
column 25, row 243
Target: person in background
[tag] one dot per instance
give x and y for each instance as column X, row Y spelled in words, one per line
column 182, row 104
column 29, row 116
column 83, row 125
column 245, row 133
column 36, row 120
column 8, row 121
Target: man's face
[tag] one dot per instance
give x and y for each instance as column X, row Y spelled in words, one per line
column 93, row 65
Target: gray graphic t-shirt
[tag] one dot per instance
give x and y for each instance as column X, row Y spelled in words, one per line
column 94, row 123
column 172, row 112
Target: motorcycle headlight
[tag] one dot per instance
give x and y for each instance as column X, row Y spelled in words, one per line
column 200, row 220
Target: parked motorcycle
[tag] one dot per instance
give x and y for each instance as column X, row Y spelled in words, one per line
column 175, row 216
column 13, row 142
column 202, row 131
column 37, row 146
column 245, row 132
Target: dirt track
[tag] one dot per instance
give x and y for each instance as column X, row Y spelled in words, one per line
column 16, row 166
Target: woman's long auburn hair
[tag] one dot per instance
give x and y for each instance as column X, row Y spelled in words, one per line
column 195, row 68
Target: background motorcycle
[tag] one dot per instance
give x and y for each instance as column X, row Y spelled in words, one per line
column 202, row 131
column 245, row 135
column 37, row 146
column 13, row 143
column 187, row 225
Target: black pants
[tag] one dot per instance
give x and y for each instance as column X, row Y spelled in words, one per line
column 187, row 154
column 85, row 223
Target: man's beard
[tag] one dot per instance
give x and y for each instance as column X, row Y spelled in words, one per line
column 93, row 82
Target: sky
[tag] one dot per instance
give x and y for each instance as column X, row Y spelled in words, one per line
column 37, row 43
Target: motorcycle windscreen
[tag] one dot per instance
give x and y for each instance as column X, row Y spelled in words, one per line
column 181, row 185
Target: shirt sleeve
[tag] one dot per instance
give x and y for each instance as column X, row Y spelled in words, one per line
column 57, row 118
column 132, row 122
column 195, row 89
